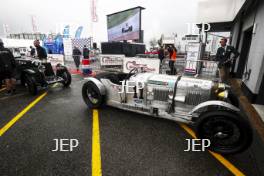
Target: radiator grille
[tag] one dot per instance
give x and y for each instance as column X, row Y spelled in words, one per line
column 161, row 94
column 195, row 97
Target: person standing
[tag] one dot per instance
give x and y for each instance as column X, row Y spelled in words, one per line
column 86, row 52
column 161, row 54
column 7, row 68
column 173, row 54
column 76, row 57
column 223, row 57
column 41, row 52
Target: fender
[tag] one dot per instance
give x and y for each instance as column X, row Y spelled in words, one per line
column 29, row 71
column 213, row 103
column 60, row 67
column 100, row 86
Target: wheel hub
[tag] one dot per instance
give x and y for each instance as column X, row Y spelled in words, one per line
column 220, row 135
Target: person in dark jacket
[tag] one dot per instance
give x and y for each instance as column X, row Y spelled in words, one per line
column 32, row 51
column 76, row 53
column 85, row 52
column 223, row 57
column 161, row 54
column 7, row 68
column 41, row 52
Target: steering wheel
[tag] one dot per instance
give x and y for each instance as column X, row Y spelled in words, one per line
column 133, row 71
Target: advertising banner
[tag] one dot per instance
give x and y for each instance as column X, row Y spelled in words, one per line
column 67, row 43
column 111, row 60
column 192, row 57
column 147, row 64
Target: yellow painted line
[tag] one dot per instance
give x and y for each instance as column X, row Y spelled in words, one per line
column 2, row 89
column 96, row 149
column 217, row 156
column 20, row 114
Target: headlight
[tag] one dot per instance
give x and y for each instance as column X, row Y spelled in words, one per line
column 223, row 86
column 223, row 94
column 41, row 68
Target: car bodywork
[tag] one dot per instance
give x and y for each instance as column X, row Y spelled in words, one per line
column 207, row 104
column 192, row 95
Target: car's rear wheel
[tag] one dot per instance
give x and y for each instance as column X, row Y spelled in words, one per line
column 227, row 131
column 92, row 95
column 31, row 84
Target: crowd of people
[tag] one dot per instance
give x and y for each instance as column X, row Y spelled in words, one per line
column 76, row 54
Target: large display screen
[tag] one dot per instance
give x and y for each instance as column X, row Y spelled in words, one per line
column 124, row 25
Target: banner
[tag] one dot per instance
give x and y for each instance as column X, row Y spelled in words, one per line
column 78, row 32
column 193, row 50
column 66, row 31
column 111, row 60
column 146, row 64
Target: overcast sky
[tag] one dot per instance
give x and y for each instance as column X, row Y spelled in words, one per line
column 167, row 16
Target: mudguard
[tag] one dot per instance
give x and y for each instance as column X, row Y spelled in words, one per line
column 36, row 74
column 214, row 103
column 29, row 71
column 61, row 67
column 100, row 86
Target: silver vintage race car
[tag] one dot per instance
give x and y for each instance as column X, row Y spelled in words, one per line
column 208, row 105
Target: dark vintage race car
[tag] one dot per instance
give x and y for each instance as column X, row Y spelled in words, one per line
column 34, row 74
column 208, row 105
column 127, row 29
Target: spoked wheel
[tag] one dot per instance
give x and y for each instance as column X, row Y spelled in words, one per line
column 31, row 84
column 227, row 131
column 92, row 95
column 67, row 78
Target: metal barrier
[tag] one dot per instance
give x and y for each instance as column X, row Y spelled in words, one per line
column 203, row 68
column 94, row 62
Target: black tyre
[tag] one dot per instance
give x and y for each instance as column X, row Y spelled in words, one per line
column 228, row 131
column 31, row 84
column 92, row 95
column 1, row 83
column 67, row 78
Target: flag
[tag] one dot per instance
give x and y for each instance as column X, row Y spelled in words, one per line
column 78, row 32
column 94, row 13
column 66, row 31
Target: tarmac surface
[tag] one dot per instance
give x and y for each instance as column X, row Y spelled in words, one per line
column 130, row 144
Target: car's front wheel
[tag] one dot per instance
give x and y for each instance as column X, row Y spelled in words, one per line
column 227, row 131
column 67, row 78
column 92, row 95
column 31, row 84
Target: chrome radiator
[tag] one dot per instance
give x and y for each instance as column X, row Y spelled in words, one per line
column 192, row 96
column 195, row 97
column 160, row 94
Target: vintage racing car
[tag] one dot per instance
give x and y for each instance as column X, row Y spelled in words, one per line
column 34, row 74
column 127, row 28
column 208, row 105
